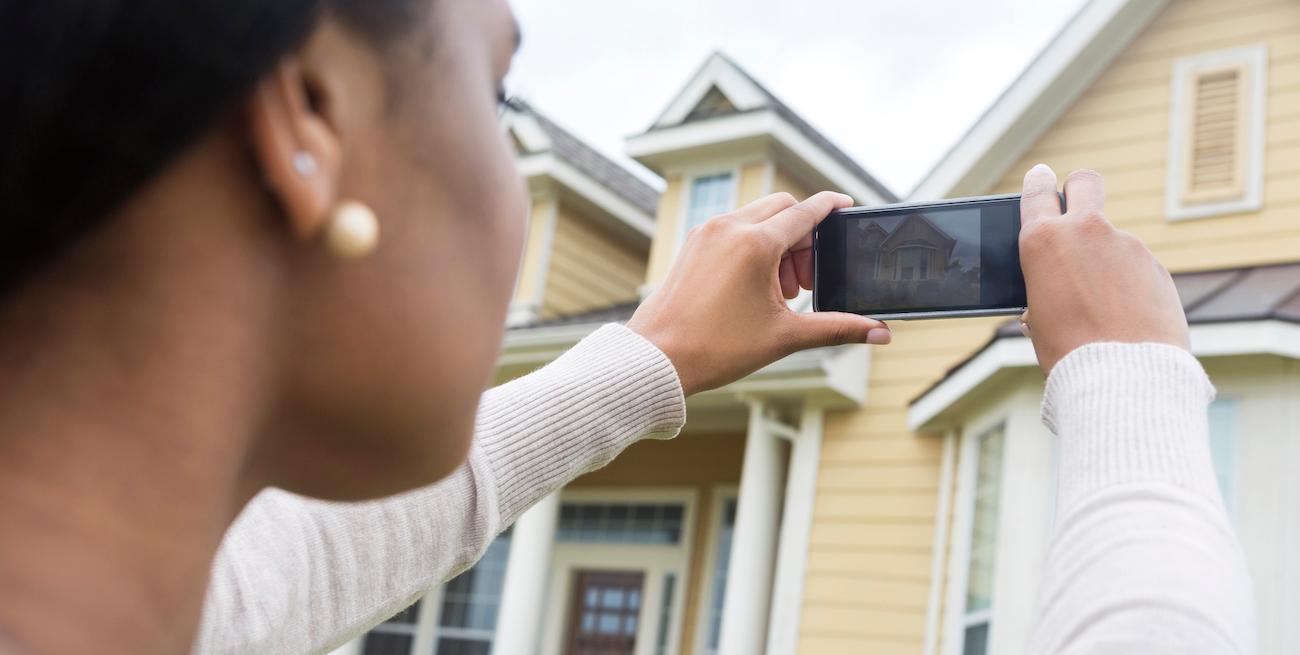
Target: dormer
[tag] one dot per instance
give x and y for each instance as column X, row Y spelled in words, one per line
column 591, row 224
column 724, row 141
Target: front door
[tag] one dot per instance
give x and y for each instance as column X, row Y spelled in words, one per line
column 605, row 613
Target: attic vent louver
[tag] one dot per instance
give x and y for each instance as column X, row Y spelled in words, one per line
column 1217, row 134
column 714, row 103
column 1215, row 158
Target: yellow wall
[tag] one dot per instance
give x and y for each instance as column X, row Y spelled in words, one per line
column 667, row 226
column 873, row 523
column 589, row 268
column 782, row 180
column 701, row 461
column 1121, row 128
column 530, row 271
column 869, row 562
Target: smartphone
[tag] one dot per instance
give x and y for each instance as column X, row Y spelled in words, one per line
column 949, row 259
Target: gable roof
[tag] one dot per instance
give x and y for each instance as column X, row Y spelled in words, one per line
column 538, row 134
column 1070, row 63
column 924, row 221
column 721, row 79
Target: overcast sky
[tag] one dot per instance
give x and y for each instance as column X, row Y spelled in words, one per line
column 894, row 83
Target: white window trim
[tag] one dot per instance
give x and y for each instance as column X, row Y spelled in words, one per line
column 721, row 494
column 688, row 188
column 1025, row 500
column 968, row 478
column 1255, row 58
column 653, row 560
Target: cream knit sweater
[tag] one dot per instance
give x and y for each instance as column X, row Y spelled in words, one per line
column 1144, row 559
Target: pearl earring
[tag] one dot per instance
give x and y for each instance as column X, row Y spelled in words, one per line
column 304, row 163
column 353, row 230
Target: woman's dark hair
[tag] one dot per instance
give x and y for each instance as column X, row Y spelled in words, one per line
column 97, row 96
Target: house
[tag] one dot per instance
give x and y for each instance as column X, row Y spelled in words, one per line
column 1191, row 109
column 898, row 499
column 911, row 249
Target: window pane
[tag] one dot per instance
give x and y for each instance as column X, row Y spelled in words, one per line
column 471, row 601
column 984, row 536
column 378, row 643
column 621, row 523
column 449, row 646
column 1223, row 449
column 613, row 599
column 608, row 624
column 722, row 561
column 665, row 614
column 710, row 196
column 976, row 641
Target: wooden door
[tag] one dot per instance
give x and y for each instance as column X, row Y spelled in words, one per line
column 605, row 613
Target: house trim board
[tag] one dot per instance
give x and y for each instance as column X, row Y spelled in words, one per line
column 1055, row 79
column 1228, row 339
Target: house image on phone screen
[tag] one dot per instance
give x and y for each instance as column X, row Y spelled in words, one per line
column 912, row 261
column 895, row 500
column 914, row 250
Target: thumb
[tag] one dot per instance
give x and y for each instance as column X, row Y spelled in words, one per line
column 821, row 329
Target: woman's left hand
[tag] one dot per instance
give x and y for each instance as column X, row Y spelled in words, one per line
column 721, row 314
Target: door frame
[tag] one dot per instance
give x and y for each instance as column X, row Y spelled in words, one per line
column 654, row 562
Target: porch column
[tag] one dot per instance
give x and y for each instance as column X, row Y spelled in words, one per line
column 523, row 592
column 796, row 529
column 754, row 537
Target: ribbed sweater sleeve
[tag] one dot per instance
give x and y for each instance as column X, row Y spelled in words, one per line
column 295, row 575
column 1143, row 556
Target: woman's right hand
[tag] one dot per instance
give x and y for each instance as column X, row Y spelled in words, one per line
column 1087, row 281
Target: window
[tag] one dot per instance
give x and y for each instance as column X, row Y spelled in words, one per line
column 1217, row 133
column 467, row 615
column 1223, row 449
column 621, row 523
column 396, row 636
column 983, row 542
column 710, row 196
column 721, row 562
column 665, row 614
column 470, row 603
column 912, row 263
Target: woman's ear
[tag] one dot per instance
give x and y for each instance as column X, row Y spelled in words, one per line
column 296, row 145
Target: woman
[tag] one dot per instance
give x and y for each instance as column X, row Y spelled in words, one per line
column 253, row 245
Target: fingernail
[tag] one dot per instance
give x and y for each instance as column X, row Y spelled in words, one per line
column 879, row 336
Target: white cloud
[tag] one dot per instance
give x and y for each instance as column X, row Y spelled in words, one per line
column 893, row 83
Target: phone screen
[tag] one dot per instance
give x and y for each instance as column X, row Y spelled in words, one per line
column 960, row 256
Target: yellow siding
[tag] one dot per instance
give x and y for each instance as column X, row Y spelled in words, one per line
column 667, row 227
column 589, row 268
column 1121, row 128
column 873, row 524
column 531, row 271
column 869, row 562
column 782, row 180
column 701, row 461
column 753, row 182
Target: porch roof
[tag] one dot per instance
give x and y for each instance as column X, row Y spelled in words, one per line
column 831, row 377
column 1233, row 312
